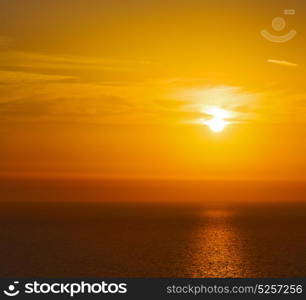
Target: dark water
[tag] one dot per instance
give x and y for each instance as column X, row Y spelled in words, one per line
column 152, row 229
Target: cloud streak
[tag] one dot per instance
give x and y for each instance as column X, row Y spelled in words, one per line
column 41, row 61
column 13, row 77
column 282, row 63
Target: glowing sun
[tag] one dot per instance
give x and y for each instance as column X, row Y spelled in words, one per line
column 217, row 123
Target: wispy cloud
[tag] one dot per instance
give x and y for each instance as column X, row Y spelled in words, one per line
column 41, row 61
column 282, row 63
column 226, row 97
column 52, row 87
column 14, row 77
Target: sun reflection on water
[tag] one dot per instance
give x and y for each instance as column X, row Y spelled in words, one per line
column 217, row 250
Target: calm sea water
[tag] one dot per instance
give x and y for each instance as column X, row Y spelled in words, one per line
column 152, row 229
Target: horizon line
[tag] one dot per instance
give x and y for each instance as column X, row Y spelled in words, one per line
column 70, row 176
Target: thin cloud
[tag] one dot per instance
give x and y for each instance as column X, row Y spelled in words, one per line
column 54, row 62
column 12, row 77
column 282, row 63
column 241, row 104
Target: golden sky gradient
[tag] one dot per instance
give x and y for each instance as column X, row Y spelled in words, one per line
column 124, row 88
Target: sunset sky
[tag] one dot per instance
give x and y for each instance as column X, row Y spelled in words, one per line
column 125, row 88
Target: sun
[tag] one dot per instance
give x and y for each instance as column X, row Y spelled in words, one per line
column 217, row 123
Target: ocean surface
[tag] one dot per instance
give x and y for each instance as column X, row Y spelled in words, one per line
column 92, row 228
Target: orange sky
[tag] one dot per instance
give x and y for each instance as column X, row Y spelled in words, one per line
column 119, row 89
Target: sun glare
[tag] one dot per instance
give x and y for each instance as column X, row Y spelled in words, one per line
column 217, row 123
